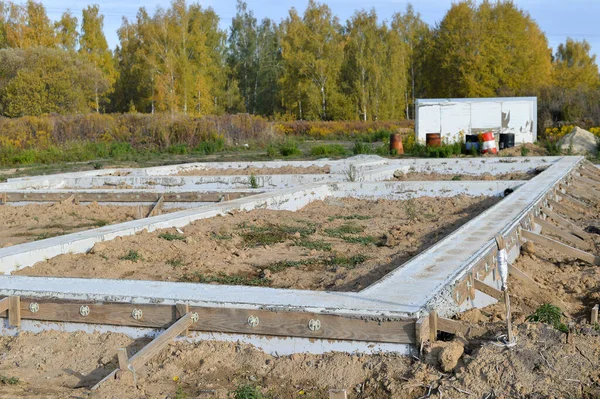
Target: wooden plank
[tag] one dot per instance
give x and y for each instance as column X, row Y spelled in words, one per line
column 433, row 326
column 111, row 376
column 559, row 246
column 459, row 327
column 539, row 293
column 137, row 361
column 550, row 228
column 156, row 209
column 182, row 309
column 567, row 224
column 338, row 394
column 272, row 323
column 572, row 201
column 488, row 290
column 14, row 311
column 589, row 190
column 564, row 209
column 586, row 181
column 116, row 196
column 594, row 317
column 4, row 304
column 422, row 330
column 590, row 169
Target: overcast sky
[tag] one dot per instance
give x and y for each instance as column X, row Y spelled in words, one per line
column 558, row 18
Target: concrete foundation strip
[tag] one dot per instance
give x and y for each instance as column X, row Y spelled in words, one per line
column 119, row 196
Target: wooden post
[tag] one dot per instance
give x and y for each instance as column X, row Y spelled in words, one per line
column 12, row 304
column 549, row 227
column 433, row 326
column 594, row 317
column 502, row 245
column 4, row 198
column 560, row 247
column 337, row 394
column 182, row 309
column 156, row 208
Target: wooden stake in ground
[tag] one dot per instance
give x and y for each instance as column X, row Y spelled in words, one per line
column 502, row 248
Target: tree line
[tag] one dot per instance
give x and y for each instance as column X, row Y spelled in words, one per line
column 308, row 66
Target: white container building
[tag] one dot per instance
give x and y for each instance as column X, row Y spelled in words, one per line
column 455, row 117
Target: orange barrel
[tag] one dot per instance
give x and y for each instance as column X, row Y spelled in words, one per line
column 396, row 144
column 433, row 139
column 489, row 143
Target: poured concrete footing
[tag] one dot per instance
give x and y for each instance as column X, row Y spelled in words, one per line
column 430, row 280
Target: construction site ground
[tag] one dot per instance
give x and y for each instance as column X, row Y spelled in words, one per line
column 542, row 364
column 25, row 223
column 337, row 244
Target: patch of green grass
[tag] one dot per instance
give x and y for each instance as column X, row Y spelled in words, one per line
column 289, row 148
column 319, row 245
column 226, row 279
column 280, row 266
column 350, row 217
column 216, row 236
column 349, row 262
column 176, row 262
column 47, row 234
column 549, row 314
column 364, row 240
column 326, row 150
column 171, row 237
column 524, row 150
column 132, row 255
column 362, row 148
column 246, row 392
column 270, row 234
column 457, row 178
column 8, row 380
column 346, row 228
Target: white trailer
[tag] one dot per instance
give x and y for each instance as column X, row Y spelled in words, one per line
column 454, row 118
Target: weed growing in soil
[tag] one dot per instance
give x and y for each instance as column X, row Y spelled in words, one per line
column 175, row 262
column 253, row 181
column 216, row 236
column 319, row 245
column 326, row 150
column 351, row 217
column 132, row 255
column 457, row 178
column 411, row 209
column 270, row 234
column 335, row 260
column 364, row 240
column 524, row 150
column 346, row 228
column 8, row 380
column 222, row 278
column 171, row 237
column 246, row 392
column 47, row 234
column 549, row 314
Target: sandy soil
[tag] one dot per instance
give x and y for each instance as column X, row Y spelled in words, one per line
column 542, row 365
column 19, row 224
column 335, row 244
column 423, row 176
column 284, row 170
column 533, row 150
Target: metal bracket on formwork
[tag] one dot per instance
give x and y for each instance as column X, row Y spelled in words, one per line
column 137, row 314
column 314, row 325
column 34, row 307
column 460, row 292
column 253, row 321
column 84, row 310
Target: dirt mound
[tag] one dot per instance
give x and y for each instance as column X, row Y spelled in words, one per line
column 579, row 141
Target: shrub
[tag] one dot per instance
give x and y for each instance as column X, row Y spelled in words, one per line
column 362, row 148
column 289, row 148
column 327, row 150
column 548, row 314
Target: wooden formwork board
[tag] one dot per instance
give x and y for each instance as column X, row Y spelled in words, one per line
column 111, row 196
column 225, row 320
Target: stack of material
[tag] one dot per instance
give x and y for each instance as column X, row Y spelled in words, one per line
column 579, row 141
